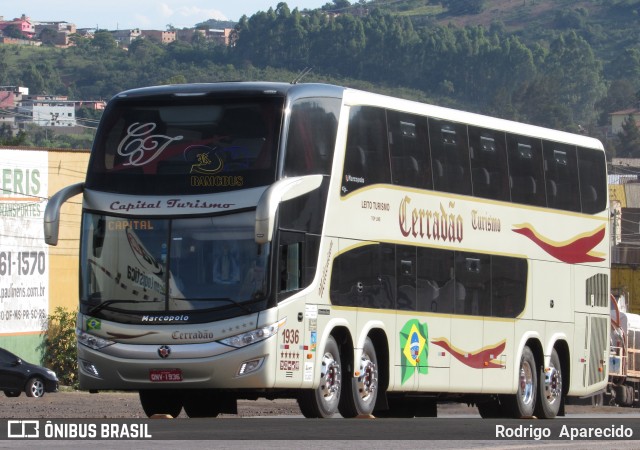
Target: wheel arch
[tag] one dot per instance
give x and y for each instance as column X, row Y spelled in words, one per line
column 535, row 346
column 343, row 338
column 564, row 354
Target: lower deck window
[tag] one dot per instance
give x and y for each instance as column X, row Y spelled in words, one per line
column 408, row 278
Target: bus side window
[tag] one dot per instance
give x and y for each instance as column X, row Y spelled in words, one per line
column 525, row 170
column 406, row 270
column 561, row 174
column 509, row 286
column 364, row 276
column 409, row 149
column 434, row 288
column 290, row 264
column 450, row 157
column 593, row 180
column 487, row 149
column 367, row 152
column 473, row 272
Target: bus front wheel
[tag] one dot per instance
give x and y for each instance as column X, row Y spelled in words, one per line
column 361, row 391
column 323, row 401
column 160, row 402
column 522, row 404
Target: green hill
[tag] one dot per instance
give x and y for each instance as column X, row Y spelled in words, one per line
column 564, row 64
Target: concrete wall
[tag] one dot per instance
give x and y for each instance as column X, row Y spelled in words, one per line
column 36, row 278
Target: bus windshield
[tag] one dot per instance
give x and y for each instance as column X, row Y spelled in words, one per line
column 186, row 145
column 178, row 265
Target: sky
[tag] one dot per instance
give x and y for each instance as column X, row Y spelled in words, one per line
column 144, row 14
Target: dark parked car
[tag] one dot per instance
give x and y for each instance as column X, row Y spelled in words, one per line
column 17, row 375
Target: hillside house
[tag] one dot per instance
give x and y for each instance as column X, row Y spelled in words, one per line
column 24, row 24
column 618, row 118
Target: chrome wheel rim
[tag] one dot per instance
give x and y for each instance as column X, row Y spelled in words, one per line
column 552, row 385
column 526, row 383
column 368, row 379
column 329, row 377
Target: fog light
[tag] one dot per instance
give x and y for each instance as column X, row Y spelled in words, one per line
column 89, row 368
column 249, row 366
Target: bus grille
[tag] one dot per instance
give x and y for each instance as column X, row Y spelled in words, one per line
column 598, row 290
column 599, row 339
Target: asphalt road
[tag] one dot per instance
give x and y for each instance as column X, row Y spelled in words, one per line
column 114, row 420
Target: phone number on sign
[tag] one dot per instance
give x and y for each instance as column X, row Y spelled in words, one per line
column 22, row 263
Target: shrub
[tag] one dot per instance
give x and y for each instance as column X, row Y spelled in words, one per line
column 59, row 346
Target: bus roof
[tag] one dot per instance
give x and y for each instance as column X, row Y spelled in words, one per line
column 358, row 97
column 236, row 88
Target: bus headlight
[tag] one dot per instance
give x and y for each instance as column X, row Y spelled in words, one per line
column 92, row 341
column 251, row 337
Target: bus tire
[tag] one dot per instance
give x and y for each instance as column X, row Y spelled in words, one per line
column 160, row 402
column 523, row 402
column 399, row 407
column 323, row 401
column 490, row 409
column 597, row 400
column 203, row 403
column 550, row 392
column 360, row 392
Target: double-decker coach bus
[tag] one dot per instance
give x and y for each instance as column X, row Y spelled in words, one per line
column 360, row 253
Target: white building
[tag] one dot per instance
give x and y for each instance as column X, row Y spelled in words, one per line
column 48, row 110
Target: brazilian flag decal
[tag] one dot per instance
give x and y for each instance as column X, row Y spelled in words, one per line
column 413, row 348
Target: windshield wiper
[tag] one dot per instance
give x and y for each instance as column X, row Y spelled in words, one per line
column 228, row 300
column 106, row 303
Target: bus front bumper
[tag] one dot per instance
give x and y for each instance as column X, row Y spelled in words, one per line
column 192, row 366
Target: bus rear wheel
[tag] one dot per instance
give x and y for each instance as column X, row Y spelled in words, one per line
column 522, row 404
column 160, row 402
column 550, row 393
column 323, row 401
column 360, row 394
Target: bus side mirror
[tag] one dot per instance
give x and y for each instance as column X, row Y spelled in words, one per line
column 280, row 191
column 52, row 211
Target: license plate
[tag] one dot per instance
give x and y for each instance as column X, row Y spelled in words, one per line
column 164, row 375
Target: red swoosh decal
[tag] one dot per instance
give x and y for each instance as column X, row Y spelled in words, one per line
column 576, row 251
column 480, row 359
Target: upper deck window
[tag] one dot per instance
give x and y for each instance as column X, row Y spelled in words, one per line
column 367, row 155
column 186, row 145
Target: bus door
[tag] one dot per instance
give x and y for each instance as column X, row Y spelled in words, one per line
column 292, row 337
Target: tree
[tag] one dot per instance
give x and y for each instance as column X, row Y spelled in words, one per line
column 577, row 74
column 629, row 139
column 7, row 137
column 48, row 36
column 619, row 95
column 13, row 31
column 104, row 40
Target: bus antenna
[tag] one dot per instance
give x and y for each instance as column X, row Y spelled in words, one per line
column 301, row 75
